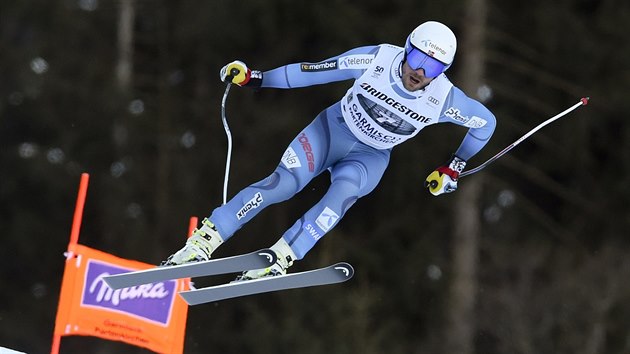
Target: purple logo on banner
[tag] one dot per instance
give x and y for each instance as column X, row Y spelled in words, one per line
column 153, row 302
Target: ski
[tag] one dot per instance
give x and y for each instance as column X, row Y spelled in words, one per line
column 259, row 259
column 333, row 274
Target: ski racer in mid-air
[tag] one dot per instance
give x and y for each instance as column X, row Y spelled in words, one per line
column 397, row 91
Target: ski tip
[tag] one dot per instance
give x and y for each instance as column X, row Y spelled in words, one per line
column 345, row 269
column 585, row 100
column 269, row 254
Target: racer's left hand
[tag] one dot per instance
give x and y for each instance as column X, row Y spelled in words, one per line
column 444, row 178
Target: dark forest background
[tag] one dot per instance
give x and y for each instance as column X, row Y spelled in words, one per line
column 528, row 256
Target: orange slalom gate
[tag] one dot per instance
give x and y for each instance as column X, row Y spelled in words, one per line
column 150, row 316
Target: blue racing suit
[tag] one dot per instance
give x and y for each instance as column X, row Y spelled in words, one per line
column 352, row 139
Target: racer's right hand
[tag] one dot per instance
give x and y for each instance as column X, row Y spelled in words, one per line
column 238, row 73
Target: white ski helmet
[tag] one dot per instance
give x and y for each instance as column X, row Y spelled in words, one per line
column 433, row 40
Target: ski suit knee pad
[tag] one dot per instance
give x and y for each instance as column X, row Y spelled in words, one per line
column 280, row 185
column 351, row 172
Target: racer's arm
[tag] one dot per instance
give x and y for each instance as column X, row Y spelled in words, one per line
column 330, row 70
column 463, row 110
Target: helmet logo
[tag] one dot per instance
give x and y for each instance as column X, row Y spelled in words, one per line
column 428, row 44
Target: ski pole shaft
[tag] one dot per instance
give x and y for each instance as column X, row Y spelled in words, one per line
column 583, row 102
column 228, row 159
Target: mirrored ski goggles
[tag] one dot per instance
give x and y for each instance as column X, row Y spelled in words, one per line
column 419, row 60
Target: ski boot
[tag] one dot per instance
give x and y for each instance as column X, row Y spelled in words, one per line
column 285, row 260
column 198, row 247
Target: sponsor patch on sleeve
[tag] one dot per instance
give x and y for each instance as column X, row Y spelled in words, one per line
column 321, row 66
column 476, row 122
column 356, row 61
column 470, row 122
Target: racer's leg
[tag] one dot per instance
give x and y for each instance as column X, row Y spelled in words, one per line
column 355, row 171
column 353, row 177
column 306, row 157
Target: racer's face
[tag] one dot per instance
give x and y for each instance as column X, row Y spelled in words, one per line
column 414, row 80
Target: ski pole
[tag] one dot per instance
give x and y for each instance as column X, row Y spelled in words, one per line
column 583, row 102
column 228, row 159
